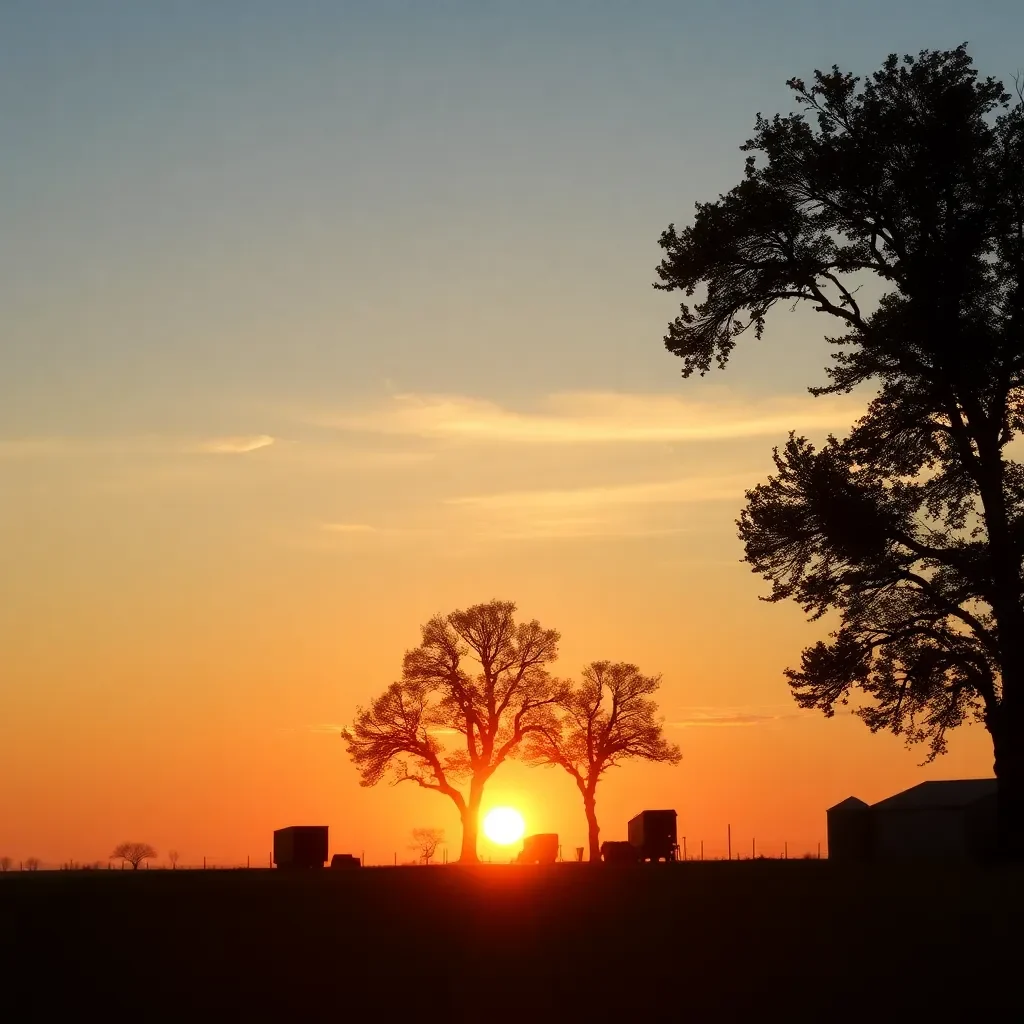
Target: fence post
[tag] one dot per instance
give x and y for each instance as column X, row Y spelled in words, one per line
column 753, row 849
column 684, row 848
column 729, row 839
column 785, row 851
column 702, row 849
column 819, row 851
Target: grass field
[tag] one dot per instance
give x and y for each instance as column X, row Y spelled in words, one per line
column 756, row 941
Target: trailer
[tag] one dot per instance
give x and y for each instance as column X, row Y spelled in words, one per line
column 300, row 846
column 620, row 852
column 653, row 835
column 539, row 849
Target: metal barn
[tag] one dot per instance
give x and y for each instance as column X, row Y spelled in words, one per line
column 953, row 819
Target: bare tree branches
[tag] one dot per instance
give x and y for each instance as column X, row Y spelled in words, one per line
column 478, row 677
column 133, row 853
column 426, row 841
column 606, row 719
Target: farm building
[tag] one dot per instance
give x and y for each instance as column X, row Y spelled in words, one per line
column 951, row 819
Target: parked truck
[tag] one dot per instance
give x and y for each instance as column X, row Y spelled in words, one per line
column 539, row 849
column 345, row 860
column 300, row 846
column 653, row 835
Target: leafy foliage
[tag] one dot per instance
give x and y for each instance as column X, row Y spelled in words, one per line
column 912, row 527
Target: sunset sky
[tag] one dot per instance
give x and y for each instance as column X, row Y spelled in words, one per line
column 321, row 318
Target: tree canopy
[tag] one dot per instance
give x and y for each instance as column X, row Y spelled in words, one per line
column 911, row 528
column 477, row 676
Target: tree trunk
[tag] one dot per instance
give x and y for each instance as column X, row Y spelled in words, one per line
column 1007, row 729
column 1008, row 741
column 471, row 824
column 594, row 832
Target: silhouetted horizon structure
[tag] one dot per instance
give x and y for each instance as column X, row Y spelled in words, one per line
column 653, row 835
column 944, row 819
column 301, row 846
column 539, row 849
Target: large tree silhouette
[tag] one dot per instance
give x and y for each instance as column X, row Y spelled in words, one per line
column 606, row 719
column 912, row 527
column 477, row 675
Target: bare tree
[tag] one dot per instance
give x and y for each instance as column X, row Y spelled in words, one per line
column 504, row 693
column 426, row 841
column 32, row 864
column 606, row 719
column 134, row 853
column 172, row 856
column 5, row 864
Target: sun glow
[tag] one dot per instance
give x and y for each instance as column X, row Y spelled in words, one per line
column 504, row 826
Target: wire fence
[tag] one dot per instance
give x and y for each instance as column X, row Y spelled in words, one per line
column 689, row 849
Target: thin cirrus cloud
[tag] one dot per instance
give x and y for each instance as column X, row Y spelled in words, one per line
column 696, row 717
column 18, row 449
column 600, row 418
column 235, row 445
column 681, row 491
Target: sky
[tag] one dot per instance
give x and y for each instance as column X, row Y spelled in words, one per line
column 322, row 318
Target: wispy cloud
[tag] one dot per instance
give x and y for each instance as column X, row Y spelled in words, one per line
column 600, row 417
column 687, row 489
column 235, row 445
column 147, row 445
column 695, row 717
column 348, row 528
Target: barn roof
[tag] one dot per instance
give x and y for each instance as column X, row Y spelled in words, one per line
column 851, row 803
column 947, row 793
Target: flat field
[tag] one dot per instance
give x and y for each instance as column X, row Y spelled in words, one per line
column 752, row 941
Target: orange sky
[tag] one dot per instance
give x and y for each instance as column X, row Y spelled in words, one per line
column 319, row 322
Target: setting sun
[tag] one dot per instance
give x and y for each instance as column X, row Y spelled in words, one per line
column 504, row 826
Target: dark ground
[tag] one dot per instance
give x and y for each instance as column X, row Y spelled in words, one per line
column 752, row 941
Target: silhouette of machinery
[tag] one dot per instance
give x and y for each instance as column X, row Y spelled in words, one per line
column 653, row 835
column 345, row 860
column 620, row 852
column 539, row 849
column 300, row 846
